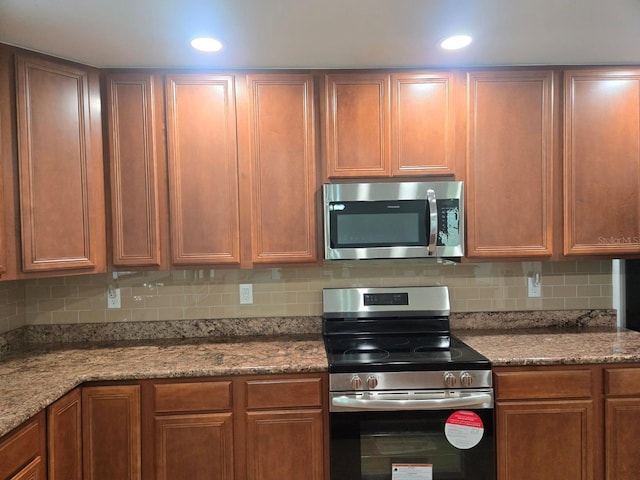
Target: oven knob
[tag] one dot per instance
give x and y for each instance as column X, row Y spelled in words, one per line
column 372, row 382
column 450, row 379
column 466, row 379
column 356, row 382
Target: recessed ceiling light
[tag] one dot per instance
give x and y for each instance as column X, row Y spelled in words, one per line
column 206, row 44
column 456, row 42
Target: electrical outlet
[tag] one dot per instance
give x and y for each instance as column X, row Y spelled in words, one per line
column 113, row 298
column 534, row 285
column 246, row 294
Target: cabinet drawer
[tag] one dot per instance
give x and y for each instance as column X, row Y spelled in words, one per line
column 22, row 446
column 622, row 381
column 543, row 384
column 283, row 393
column 192, row 397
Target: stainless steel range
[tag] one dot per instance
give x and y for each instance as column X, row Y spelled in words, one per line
column 406, row 397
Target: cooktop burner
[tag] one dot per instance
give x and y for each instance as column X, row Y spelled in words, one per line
column 409, row 358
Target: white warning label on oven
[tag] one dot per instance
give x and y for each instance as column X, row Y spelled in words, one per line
column 411, row 471
column 464, row 429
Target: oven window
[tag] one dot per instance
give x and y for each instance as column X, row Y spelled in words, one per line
column 366, row 445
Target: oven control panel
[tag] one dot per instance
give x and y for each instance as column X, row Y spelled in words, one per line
column 454, row 379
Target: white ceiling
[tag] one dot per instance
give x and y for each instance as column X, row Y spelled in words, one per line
column 326, row 33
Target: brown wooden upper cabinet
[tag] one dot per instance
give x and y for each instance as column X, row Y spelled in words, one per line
column 511, row 163
column 381, row 125
column 60, row 166
column 202, row 169
column 7, row 141
column 281, row 156
column 602, row 162
column 135, row 111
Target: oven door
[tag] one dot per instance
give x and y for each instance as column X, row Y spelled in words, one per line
column 454, row 443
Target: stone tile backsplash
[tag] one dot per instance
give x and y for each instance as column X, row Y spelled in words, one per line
column 294, row 292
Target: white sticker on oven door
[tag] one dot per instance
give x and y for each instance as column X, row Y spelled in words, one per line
column 464, row 429
column 411, row 471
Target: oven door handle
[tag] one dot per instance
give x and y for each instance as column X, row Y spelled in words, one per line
column 409, row 404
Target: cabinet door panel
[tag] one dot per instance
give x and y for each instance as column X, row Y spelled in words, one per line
column 134, row 156
column 64, row 437
column 111, row 432
column 283, row 168
column 510, row 164
column 203, row 169
column 194, row 447
column 25, row 445
column 36, row 470
column 622, row 420
column 61, row 179
column 422, row 124
column 357, row 125
column 545, row 440
column 285, row 445
column 602, row 162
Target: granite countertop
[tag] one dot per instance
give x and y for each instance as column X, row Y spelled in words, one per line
column 568, row 346
column 37, row 374
column 34, row 378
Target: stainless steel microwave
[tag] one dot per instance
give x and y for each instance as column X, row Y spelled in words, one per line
column 393, row 220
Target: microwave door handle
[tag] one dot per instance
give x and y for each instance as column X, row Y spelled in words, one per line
column 429, row 404
column 432, row 224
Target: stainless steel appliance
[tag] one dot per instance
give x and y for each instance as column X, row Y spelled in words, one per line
column 406, row 397
column 393, row 220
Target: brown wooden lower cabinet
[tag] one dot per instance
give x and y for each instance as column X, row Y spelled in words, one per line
column 284, row 444
column 111, row 432
column 548, row 421
column 622, row 423
column 64, row 437
column 255, row 428
column 194, row 446
column 23, row 452
column 568, row 422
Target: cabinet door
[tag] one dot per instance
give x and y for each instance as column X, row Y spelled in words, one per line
column 545, row 439
column 510, row 164
column 64, row 437
column 622, row 420
column 357, row 133
column 285, row 444
column 111, row 432
column 282, row 169
column 203, row 169
column 7, row 142
column 136, row 166
column 198, row 446
column 602, row 162
column 23, row 452
column 34, row 471
column 423, row 133
column 60, row 166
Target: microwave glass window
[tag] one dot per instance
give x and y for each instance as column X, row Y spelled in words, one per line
column 379, row 224
column 379, row 229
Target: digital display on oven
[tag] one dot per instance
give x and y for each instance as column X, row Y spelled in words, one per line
column 386, row 299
